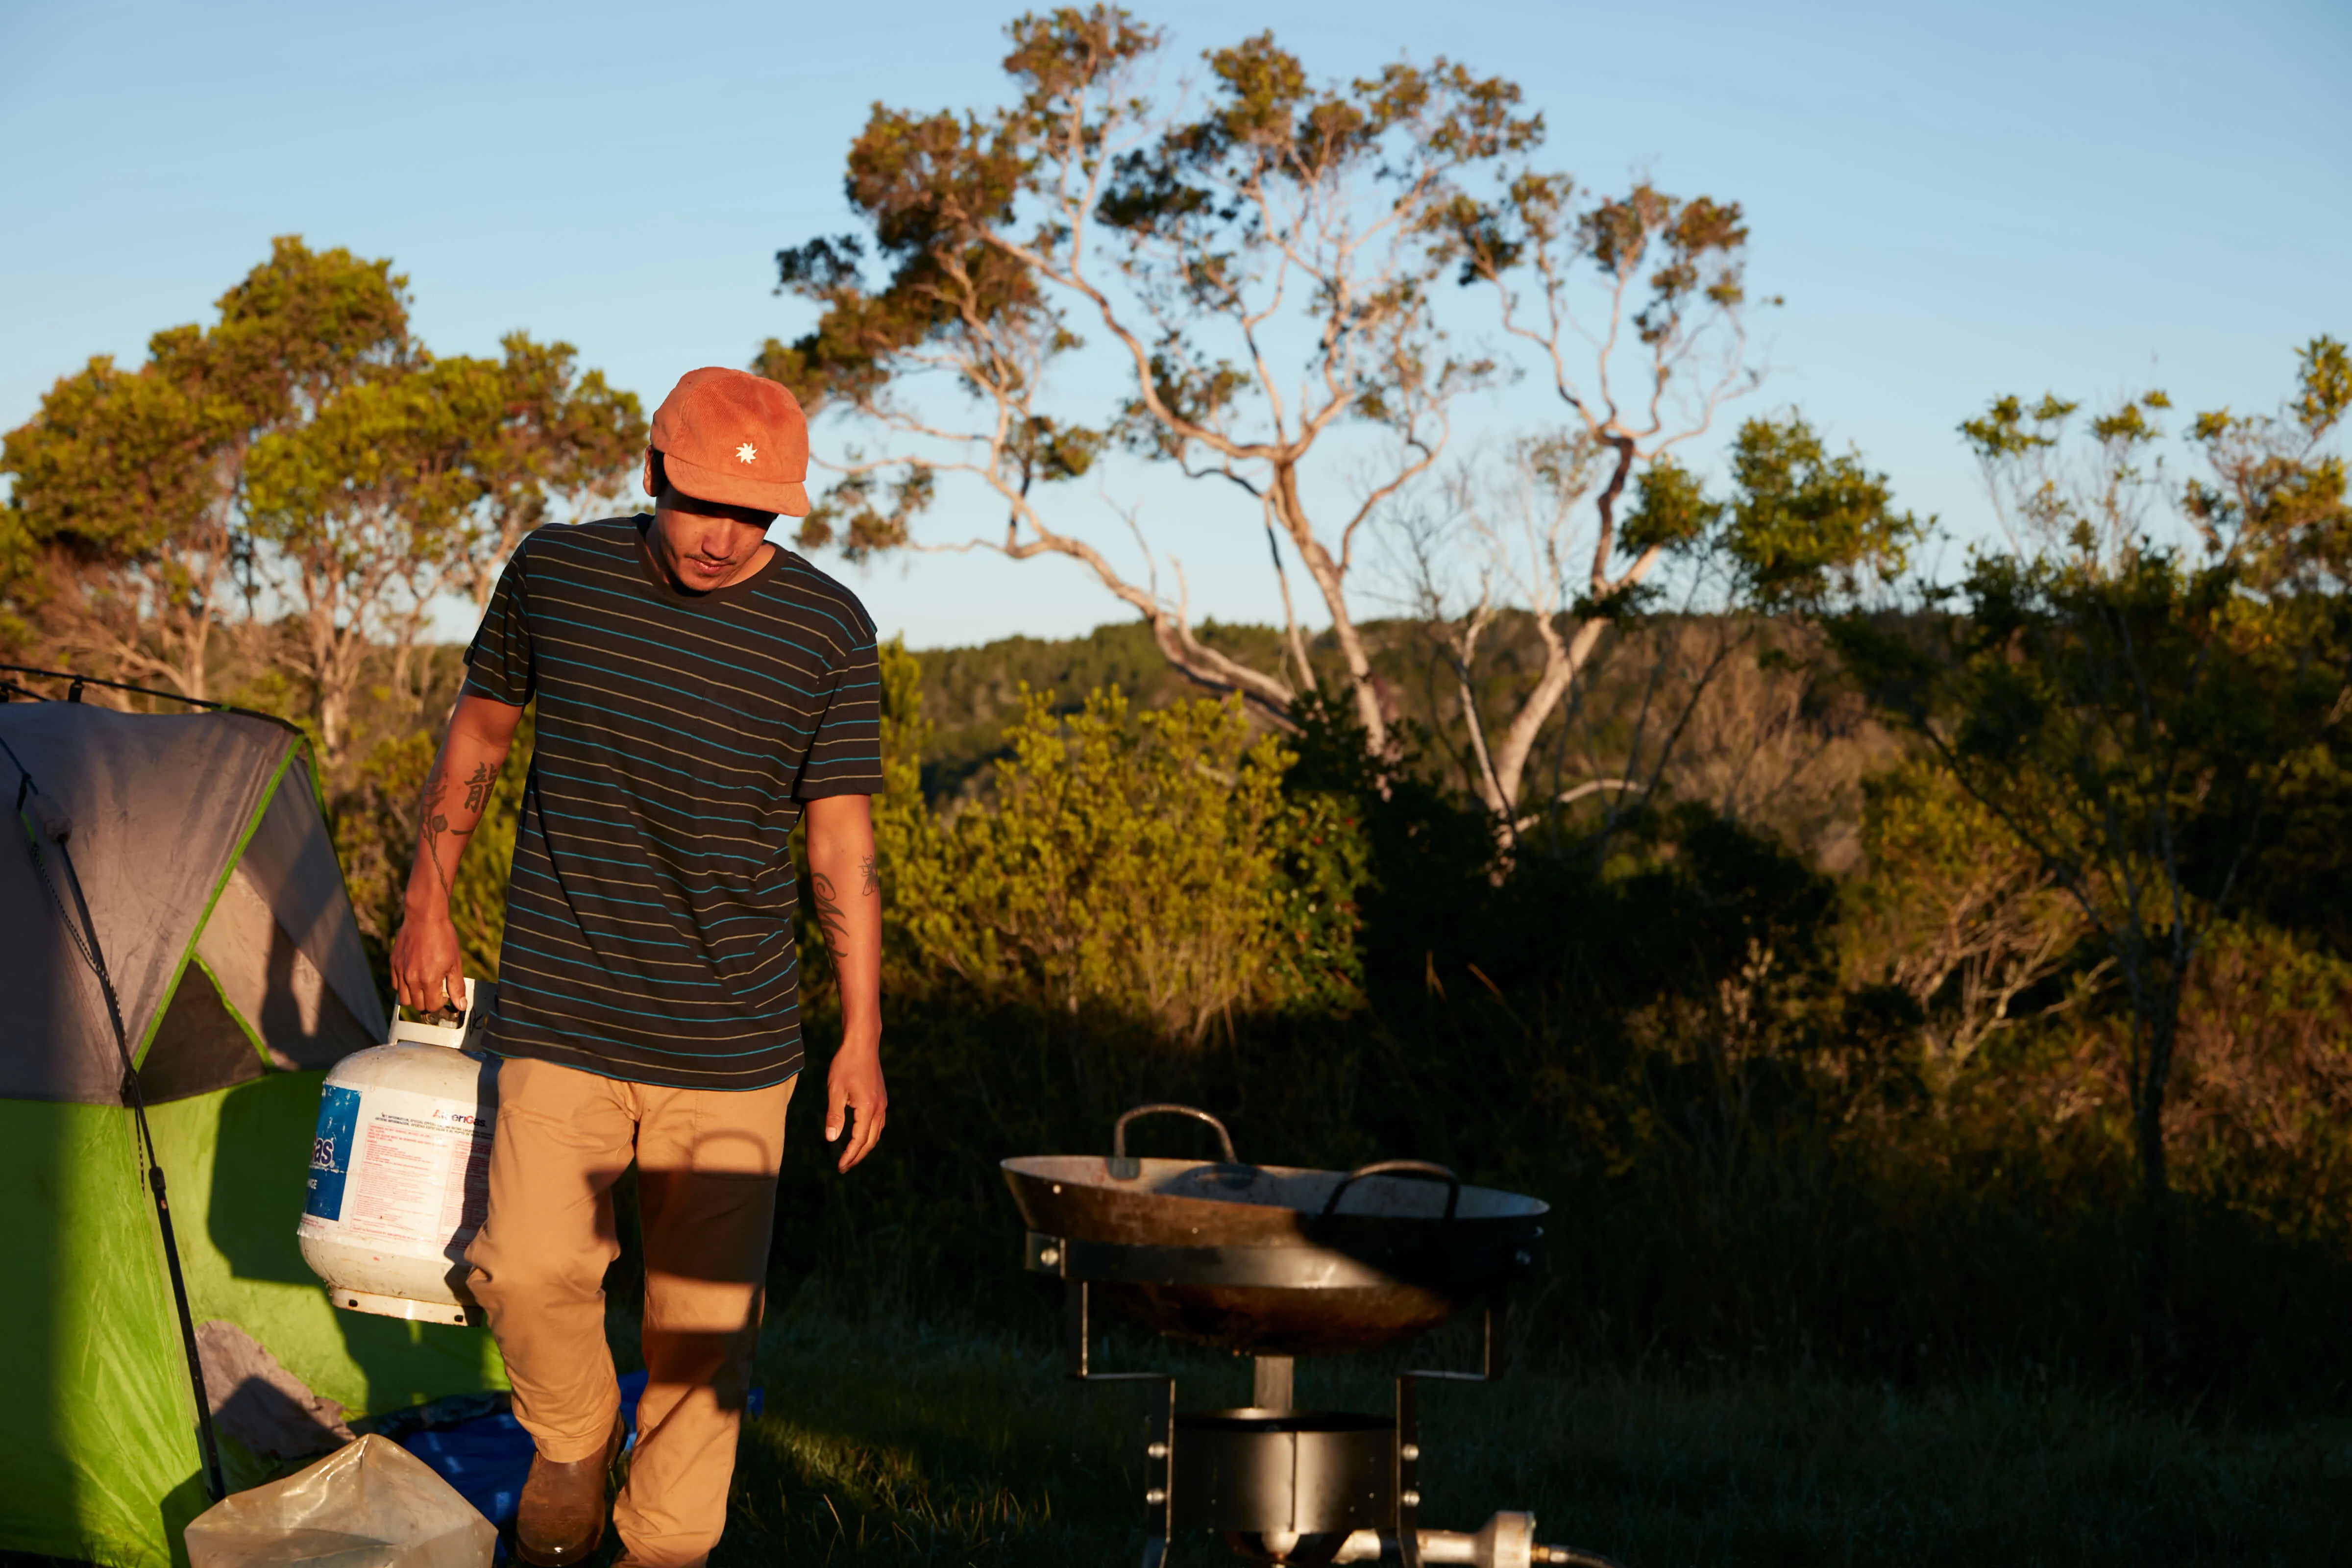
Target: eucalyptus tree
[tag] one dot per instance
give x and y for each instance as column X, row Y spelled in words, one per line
column 416, row 484
column 1259, row 263
column 302, row 459
column 364, row 514
column 1635, row 308
column 1800, row 529
column 129, row 483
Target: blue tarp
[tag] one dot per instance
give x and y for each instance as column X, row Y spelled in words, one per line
column 488, row 1457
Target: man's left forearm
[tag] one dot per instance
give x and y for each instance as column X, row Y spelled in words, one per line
column 846, row 894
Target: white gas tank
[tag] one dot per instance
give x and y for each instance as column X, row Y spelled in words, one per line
column 400, row 1169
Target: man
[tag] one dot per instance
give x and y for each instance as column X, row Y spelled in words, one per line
column 699, row 692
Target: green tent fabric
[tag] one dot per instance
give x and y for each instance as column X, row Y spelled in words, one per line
column 214, row 891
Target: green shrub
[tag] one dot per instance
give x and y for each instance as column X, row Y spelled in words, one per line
column 1146, row 865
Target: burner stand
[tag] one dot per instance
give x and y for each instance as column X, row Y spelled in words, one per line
column 1300, row 1487
column 1263, row 1261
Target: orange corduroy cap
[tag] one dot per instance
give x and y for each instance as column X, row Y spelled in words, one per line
column 731, row 437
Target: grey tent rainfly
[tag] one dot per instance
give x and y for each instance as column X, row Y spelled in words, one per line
column 189, row 849
column 202, row 878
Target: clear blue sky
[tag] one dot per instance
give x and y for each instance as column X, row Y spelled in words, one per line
column 1955, row 199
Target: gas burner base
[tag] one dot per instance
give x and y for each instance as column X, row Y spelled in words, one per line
column 1507, row 1540
column 1283, row 1472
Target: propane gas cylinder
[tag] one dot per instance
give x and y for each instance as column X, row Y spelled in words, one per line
column 400, row 1169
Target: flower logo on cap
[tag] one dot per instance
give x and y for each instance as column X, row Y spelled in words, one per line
column 746, row 452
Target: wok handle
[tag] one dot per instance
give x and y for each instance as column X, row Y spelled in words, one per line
column 1119, row 1128
column 1422, row 1168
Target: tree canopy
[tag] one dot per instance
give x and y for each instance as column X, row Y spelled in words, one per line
column 304, row 455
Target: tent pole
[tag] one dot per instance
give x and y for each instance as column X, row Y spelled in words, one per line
column 57, row 827
column 215, row 1483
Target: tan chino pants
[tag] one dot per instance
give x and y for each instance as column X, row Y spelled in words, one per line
column 707, row 1162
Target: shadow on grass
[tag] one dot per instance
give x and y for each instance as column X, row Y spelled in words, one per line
column 889, row 1443
column 912, row 1446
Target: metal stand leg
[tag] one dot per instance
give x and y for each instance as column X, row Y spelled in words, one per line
column 1158, row 1474
column 1408, row 1423
column 1408, row 1469
column 1160, row 1444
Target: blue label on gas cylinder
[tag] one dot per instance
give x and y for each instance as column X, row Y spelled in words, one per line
column 330, row 1152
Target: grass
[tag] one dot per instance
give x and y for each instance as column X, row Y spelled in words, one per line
column 888, row 1442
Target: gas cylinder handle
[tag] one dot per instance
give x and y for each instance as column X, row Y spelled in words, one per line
column 1119, row 1128
column 1424, row 1169
column 421, row 1033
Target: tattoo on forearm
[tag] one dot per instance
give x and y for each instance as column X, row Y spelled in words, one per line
column 870, row 877
column 828, row 912
column 477, row 785
column 432, row 823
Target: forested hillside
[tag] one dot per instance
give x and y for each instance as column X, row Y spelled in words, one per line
column 1710, row 709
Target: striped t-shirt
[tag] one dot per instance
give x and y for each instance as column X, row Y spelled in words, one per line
column 649, row 919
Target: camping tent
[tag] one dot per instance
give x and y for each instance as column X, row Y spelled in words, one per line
column 216, row 900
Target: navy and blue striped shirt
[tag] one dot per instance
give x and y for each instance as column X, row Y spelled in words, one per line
column 649, row 919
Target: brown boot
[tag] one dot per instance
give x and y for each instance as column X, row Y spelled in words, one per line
column 561, row 1517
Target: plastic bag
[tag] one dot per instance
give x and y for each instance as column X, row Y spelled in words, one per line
column 371, row 1504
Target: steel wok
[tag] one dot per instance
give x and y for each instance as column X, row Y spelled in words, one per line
column 1271, row 1259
